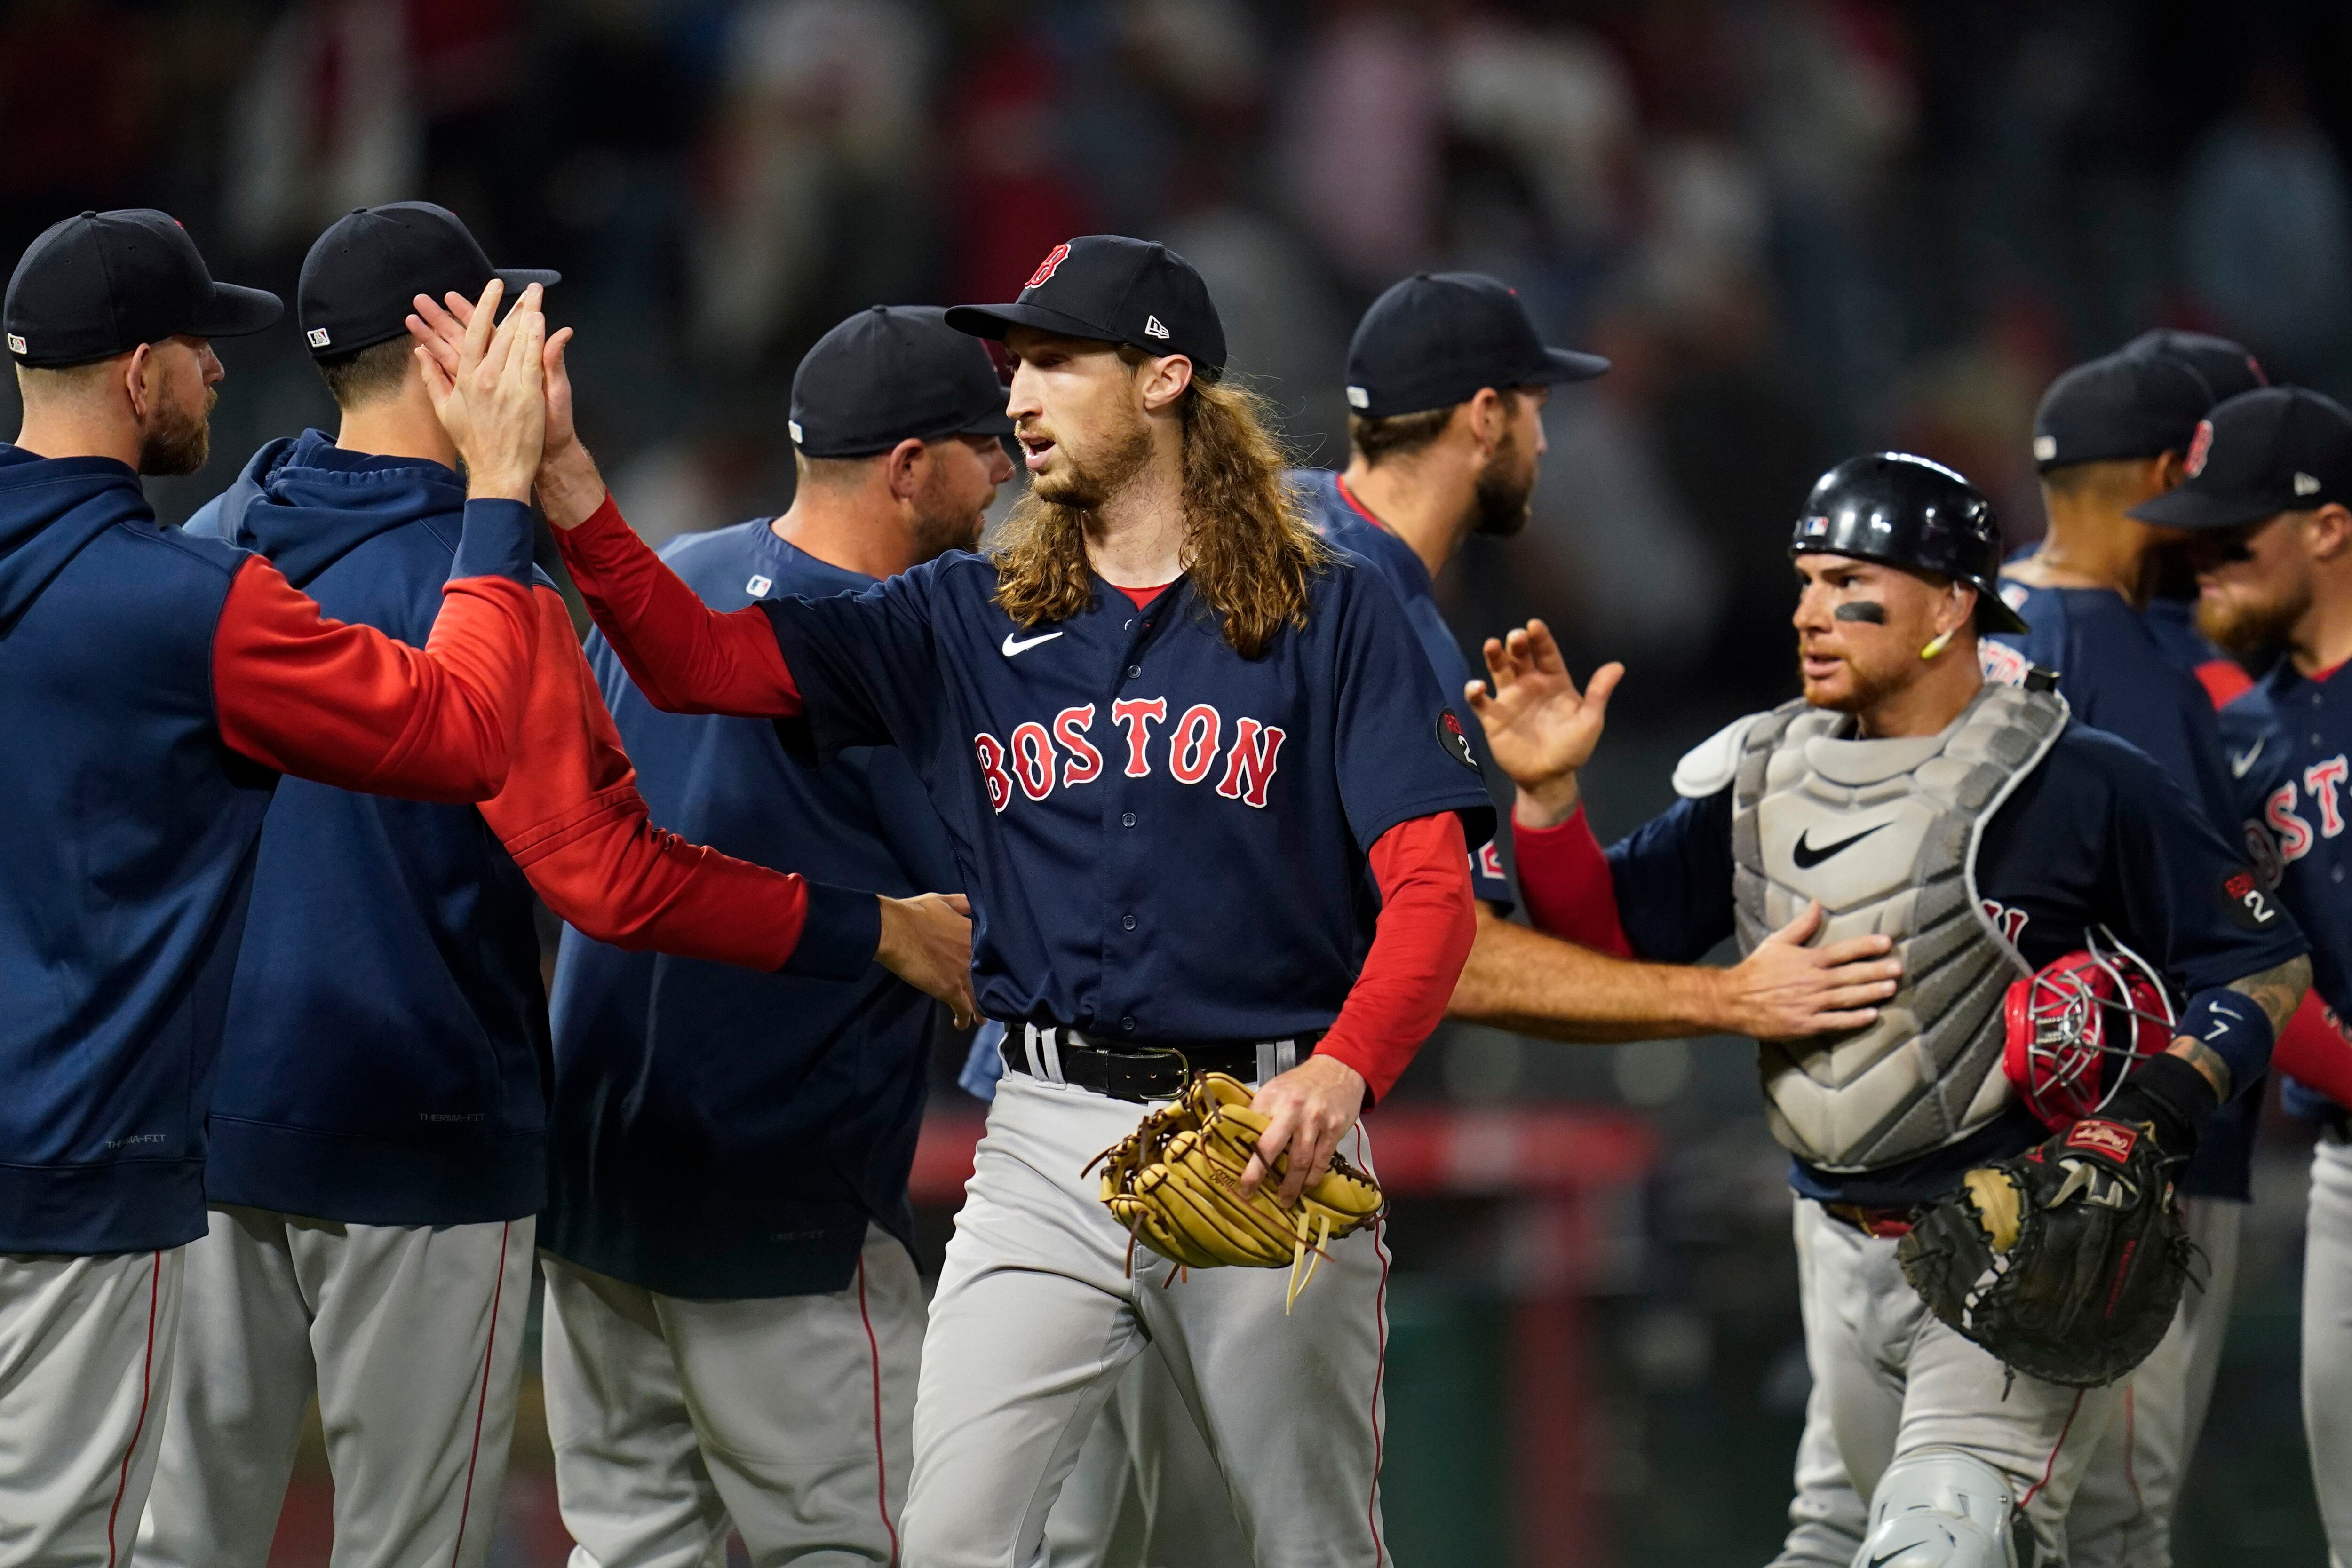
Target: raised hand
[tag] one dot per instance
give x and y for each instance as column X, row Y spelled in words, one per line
column 926, row 942
column 1541, row 728
column 570, row 486
column 492, row 399
column 1787, row 990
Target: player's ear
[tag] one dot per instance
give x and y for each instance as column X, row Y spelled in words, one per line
column 902, row 468
column 1164, row 380
column 2329, row 533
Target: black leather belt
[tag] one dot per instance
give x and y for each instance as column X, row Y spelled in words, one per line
column 1141, row 1075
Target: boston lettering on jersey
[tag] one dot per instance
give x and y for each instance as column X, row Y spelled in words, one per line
column 1164, row 841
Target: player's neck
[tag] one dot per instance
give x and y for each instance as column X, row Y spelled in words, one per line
column 1928, row 704
column 852, row 529
column 2088, row 546
column 2321, row 638
column 401, row 425
column 1431, row 511
column 71, row 430
column 1135, row 538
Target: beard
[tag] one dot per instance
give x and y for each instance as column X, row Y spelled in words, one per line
column 940, row 527
column 179, row 442
column 2245, row 627
column 1084, row 487
column 1862, row 689
column 1499, row 501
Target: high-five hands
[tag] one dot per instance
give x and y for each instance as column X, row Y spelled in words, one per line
column 926, row 942
column 1541, row 728
column 488, row 390
column 570, row 486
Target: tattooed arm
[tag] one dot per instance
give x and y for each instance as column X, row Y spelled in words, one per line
column 2277, row 991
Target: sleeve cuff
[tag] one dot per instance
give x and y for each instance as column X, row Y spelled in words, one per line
column 838, row 935
column 496, row 541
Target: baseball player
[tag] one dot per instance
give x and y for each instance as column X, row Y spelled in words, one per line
column 2109, row 434
column 2272, row 541
column 1211, row 807
column 1446, row 381
column 378, row 1135
column 154, row 687
column 1984, row 829
column 733, row 1316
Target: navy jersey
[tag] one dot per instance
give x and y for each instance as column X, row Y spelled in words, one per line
column 387, row 1027
column 127, row 863
column 2118, row 673
column 1340, row 518
column 2290, row 746
column 719, row 1133
column 2096, row 835
column 1163, row 841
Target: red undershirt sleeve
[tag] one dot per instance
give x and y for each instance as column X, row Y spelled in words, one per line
column 573, row 819
column 349, row 707
column 1564, row 878
column 1423, row 938
column 2312, row 1049
column 684, row 655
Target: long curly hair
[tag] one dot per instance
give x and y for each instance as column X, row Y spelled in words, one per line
column 1249, row 550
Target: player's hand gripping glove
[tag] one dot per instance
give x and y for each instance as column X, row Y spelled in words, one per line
column 1175, row 1183
column 2067, row 1261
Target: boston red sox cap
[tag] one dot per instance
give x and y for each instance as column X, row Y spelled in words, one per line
column 1435, row 339
column 2277, row 449
column 2119, row 407
column 2227, row 368
column 890, row 374
column 361, row 274
column 101, row 283
column 1116, row 290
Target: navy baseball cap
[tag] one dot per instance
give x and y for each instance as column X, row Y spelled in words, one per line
column 1115, row 290
column 359, row 280
column 103, row 283
column 2123, row 406
column 890, row 374
column 1435, row 339
column 2227, row 368
column 2278, row 449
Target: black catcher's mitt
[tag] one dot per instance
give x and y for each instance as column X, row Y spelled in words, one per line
column 2065, row 1262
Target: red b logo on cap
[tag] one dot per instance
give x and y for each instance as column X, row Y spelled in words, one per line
column 1045, row 267
column 2198, row 445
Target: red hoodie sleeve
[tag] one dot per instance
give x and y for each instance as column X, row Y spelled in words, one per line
column 684, row 655
column 2312, row 1049
column 348, row 705
column 1564, row 877
column 1423, row 939
column 573, row 819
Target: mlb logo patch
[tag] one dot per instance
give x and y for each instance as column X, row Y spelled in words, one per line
column 16, row 345
column 2045, row 447
column 794, row 426
column 758, row 587
column 1358, row 398
column 2112, row 1139
column 319, row 338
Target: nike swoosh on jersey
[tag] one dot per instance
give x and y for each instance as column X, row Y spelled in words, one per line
column 2239, row 764
column 1015, row 647
column 1806, row 856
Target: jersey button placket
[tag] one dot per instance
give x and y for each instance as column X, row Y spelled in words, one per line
column 1126, row 875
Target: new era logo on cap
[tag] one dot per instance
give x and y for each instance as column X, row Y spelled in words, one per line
column 1152, row 329
column 319, row 337
column 2306, row 485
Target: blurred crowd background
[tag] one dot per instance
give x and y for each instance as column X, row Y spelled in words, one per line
column 1798, row 228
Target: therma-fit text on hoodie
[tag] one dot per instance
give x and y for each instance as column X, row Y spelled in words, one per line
column 1163, row 841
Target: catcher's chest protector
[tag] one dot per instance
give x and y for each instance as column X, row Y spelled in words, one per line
column 1883, row 833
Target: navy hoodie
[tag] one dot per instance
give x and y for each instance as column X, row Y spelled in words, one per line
column 386, row 1023
column 125, row 864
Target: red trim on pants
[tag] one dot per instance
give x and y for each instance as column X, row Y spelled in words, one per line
column 2033, row 1490
column 146, row 1390
column 1379, row 1370
column 482, row 1401
column 881, row 1463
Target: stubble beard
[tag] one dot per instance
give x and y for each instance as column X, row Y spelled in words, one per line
column 1087, row 486
column 179, row 442
column 2244, row 628
column 1503, row 493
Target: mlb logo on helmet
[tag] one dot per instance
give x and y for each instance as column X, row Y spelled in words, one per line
column 2199, row 446
column 319, row 338
column 1054, row 258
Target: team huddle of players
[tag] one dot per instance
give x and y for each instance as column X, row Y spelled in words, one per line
column 1169, row 779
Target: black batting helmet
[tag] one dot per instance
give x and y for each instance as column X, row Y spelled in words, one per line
column 1905, row 511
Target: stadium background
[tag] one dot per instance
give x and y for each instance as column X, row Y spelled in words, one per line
column 1800, row 227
